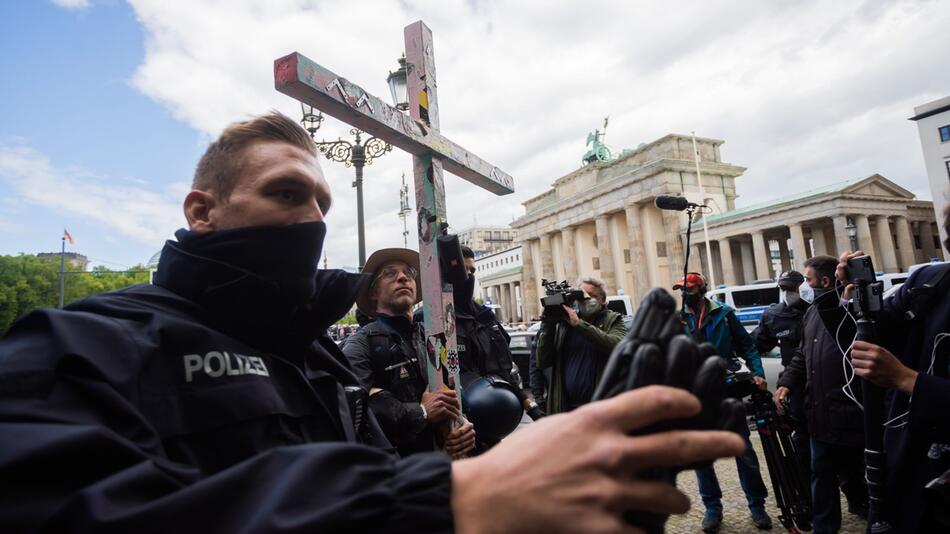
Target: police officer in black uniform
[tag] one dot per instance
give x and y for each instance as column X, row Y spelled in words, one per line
column 388, row 355
column 484, row 352
column 213, row 399
column 781, row 325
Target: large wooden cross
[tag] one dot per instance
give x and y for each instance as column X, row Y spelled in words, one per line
column 417, row 133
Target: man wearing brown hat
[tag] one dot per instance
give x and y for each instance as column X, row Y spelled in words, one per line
column 388, row 357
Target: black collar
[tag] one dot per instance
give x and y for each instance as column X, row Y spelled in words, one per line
column 251, row 308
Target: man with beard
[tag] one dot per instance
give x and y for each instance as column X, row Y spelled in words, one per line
column 213, row 401
column 389, row 357
column 715, row 322
column 835, row 419
column 577, row 347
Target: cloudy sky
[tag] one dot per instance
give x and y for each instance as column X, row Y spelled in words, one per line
column 105, row 106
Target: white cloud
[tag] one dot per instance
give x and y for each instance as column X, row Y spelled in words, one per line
column 803, row 94
column 143, row 215
column 73, row 4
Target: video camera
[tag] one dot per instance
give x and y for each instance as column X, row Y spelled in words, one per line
column 869, row 291
column 557, row 295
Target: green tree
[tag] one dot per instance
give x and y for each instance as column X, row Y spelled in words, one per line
column 28, row 282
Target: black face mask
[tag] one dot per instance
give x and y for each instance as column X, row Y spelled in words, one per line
column 692, row 299
column 284, row 258
column 462, row 296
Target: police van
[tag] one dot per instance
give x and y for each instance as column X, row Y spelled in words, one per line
column 749, row 300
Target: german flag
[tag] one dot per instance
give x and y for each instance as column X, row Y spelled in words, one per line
column 68, row 237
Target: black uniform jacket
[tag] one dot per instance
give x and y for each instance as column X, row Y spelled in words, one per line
column 780, row 325
column 184, row 407
column 483, row 349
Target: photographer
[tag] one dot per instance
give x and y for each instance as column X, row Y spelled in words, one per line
column 576, row 347
column 832, row 411
column 912, row 361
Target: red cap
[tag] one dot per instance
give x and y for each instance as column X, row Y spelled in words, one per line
column 692, row 280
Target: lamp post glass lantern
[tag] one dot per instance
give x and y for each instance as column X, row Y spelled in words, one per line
column 311, row 120
column 398, row 87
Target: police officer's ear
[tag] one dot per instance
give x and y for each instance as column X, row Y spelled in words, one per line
column 198, row 206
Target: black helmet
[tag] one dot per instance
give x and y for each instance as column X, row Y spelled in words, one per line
column 493, row 408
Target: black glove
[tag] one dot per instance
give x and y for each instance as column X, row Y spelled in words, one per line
column 655, row 351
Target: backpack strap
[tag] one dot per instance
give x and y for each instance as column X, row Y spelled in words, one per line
column 923, row 296
column 384, row 339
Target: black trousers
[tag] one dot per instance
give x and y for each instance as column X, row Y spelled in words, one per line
column 830, row 464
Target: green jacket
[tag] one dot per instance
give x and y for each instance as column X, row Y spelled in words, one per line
column 604, row 333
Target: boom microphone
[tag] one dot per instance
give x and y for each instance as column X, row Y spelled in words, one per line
column 668, row 202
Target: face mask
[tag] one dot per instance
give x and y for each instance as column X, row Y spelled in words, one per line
column 793, row 299
column 590, row 307
column 283, row 258
column 693, row 299
column 806, row 292
column 462, row 295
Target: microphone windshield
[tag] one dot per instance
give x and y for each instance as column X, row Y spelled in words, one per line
column 668, row 202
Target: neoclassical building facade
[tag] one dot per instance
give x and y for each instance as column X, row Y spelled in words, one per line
column 600, row 220
column 873, row 214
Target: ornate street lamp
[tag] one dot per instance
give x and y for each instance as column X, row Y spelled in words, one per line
column 398, row 86
column 356, row 154
column 852, row 234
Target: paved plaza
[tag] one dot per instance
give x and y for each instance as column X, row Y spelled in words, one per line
column 736, row 518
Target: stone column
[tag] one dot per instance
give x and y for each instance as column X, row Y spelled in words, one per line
column 905, row 242
column 505, row 301
column 760, row 248
column 567, row 250
column 783, row 258
column 884, row 238
column 529, row 286
column 842, row 241
column 547, row 261
column 819, row 247
column 557, row 255
column 696, row 263
column 602, row 225
column 638, row 255
column 728, row 269
column 927, row 240
column 512, row 303
column 798, row 246
column 864, row 238
column 748, row 261
column 519, row 302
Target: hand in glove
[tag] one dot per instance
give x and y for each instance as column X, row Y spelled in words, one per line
column 656, row 352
